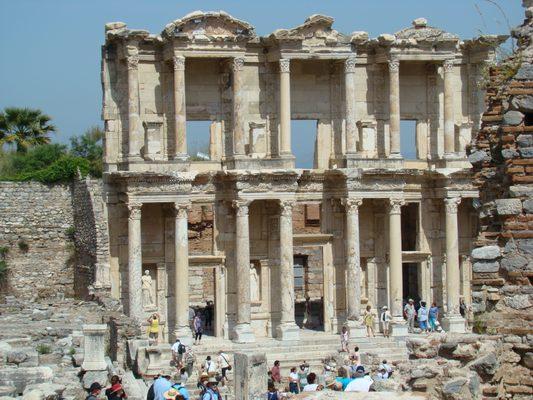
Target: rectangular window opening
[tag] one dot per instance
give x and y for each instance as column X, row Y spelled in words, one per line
column 410, row 227
column 198, row 138
column 303, row 139
column 299, row 272
column 408, row 139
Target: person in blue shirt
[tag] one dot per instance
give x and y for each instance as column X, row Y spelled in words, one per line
column 433, row 316
column 343, row 378
column 161, row 385
column 211, row 392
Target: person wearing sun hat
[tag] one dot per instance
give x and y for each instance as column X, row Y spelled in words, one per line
column 173, row 394
column 211, row 391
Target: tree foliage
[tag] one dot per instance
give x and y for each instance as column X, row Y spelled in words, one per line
column 89, row 147
column 24, row 127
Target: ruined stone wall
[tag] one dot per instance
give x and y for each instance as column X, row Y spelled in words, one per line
column 502, row 155
column 56, row 238
column 34, row 227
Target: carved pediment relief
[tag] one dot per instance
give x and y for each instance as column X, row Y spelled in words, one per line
column 210, row 26
column 316, row 27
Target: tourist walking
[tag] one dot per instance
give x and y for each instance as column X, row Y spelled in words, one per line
column 433, row 316
column 161, row 385
column 210, row 366
column 197, row 324
column 189, row 359
column 294, row 386
column 276, row 372
column 94, row 391
column 224, row 364
column 153, row 327
column 423, row 317
column 368, row 318
column 385, row 319
column 410, row 314
column 302, row 374
column 178, row 350
column 344, row 339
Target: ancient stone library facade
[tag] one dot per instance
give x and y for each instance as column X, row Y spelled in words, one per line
column 244, row 228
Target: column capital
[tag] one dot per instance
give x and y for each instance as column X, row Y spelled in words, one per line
column 134, row 210
column 349, row 65
column 351, row 205
column 132, row 61
column 241, row 207
column 286, row 207
column 448, row 65
column 237, row 64
column 284, row 65
column 395, row 206
column 394, row 65
column 451, row 204
column 178, row 62
column 181, row 210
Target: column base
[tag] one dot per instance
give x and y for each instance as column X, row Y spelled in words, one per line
column 288, row 331
column 399, row 328
column 242, row 333
column 356, row 329
column 454, row 323
column 184, row 334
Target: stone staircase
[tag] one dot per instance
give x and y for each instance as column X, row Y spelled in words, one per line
column 313, row 348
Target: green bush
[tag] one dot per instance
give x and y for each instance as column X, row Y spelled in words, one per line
column 43, row 349
column 63, row 169
column 23, row 245
column 70, row 232
column 3, row 269
column 3, row 251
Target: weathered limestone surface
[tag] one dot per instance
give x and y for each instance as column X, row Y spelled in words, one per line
column 250, row 376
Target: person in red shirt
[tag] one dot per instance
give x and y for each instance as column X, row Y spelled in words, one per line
column 276, row 372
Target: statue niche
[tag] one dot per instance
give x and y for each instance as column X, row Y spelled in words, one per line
column 255, row 283
column 148, row 291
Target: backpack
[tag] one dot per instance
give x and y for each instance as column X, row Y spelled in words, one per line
column 181, row 348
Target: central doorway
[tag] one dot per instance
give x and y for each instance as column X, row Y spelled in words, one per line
column 410, row 282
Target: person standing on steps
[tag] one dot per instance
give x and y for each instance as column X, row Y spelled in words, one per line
column 294, row 387
column 225, row 366
column 276, row 372
column 423, row 317
column 345, row 336
column 153, row 327
column 410, row 314
column 385, row 319
column 433, row 317
column 197, row 324
column 368, row 319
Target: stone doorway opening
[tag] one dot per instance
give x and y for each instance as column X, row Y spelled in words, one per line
column 303, row 138
column 410, row 227
column 410, row 277
column 308, row 308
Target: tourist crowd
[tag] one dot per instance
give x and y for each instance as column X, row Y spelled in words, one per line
column 350, row 377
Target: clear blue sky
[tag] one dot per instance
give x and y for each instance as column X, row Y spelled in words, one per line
column 51, row 48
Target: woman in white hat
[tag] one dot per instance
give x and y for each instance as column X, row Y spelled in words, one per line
column 385, row 319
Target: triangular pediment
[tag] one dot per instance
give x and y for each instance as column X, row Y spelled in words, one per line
column 209, row 24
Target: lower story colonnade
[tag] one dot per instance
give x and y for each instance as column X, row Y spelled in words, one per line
column 252, row 250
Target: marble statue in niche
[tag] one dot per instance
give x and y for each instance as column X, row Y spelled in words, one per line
column 147, row 290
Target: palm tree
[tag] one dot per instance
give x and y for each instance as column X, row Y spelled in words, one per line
column 24, row 127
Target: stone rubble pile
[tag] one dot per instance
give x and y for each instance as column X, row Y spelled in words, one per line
column 42, row 350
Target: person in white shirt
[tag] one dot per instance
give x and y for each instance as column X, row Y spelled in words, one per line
column 311, row 385
column 385, row 319
column 385, row 366
column 382, row 374
column 361, row 382
column 294, row 387
column 224, row 364
column 178, row 349
column 210, row 366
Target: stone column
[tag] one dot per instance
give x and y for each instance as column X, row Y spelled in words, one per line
column 349, row 98
column 242, row 331
column 94, row 347
column 287, row 330
column 284, row 107
column 181, row 274
column 180, row 115
column 394, row 108
column 135, row 131
column 449, row 124
column 135, row 262
column 452, row 322
column 238, row 103
column 396, row 267
column 353, row 267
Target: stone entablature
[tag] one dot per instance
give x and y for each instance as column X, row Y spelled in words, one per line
column 212, row 66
